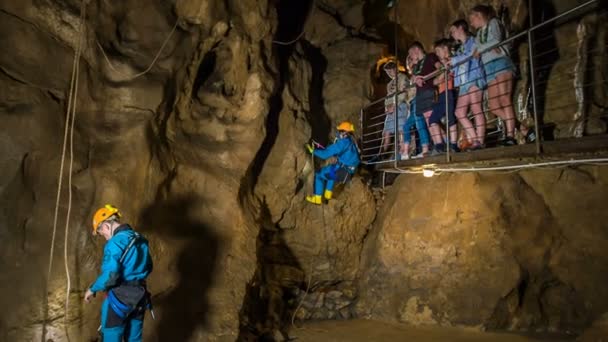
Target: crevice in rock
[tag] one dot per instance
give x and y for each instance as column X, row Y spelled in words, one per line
column 353, row 32
column 522, row 287
column 317, row 116
column 507, row 306
column 291, row 21
column 205, row 70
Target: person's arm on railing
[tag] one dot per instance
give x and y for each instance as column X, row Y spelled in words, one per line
column 439, row 79
column 466, row 53
column 421, row 79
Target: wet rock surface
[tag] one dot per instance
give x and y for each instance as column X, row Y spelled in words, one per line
column 497, row 251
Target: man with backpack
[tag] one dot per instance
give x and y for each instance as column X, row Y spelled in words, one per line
column 126, row 265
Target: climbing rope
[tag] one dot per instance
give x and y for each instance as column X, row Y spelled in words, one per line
column 132, row 77
column 312, row 10
column 291, row 41
column 69, row 128
column 293, row 317
column 312, row 161
column 295, row 312
column 67, row 216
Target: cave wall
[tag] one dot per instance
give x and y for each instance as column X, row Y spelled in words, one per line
column 490, row 250
column 172, row 149
column 199, row 153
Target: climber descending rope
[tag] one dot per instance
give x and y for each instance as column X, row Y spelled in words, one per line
column 344, row 154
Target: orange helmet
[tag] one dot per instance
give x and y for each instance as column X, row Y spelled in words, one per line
column 103, row 214
column 385, row 60
column 346, row 127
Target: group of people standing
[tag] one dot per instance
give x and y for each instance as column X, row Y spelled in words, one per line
column 425, row 95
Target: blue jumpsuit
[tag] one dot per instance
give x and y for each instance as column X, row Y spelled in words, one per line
column 136, row 266
column 348, row 158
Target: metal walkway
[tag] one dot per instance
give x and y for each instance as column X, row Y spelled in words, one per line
column 578, row 78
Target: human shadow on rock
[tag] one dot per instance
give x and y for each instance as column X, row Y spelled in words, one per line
column 267, row 308
column 185, row 306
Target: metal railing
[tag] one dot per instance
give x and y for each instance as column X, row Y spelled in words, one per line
column 384, row 136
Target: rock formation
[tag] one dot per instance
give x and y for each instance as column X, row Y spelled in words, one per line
column 498, row 251
column 191, row 116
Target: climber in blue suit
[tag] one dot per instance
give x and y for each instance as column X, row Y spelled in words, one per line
column 126, row 265
column 346, row 154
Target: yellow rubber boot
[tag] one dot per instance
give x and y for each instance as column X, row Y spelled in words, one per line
column 316, row 199
column 327, row 194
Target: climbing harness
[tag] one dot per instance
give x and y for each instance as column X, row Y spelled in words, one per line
column 124, row 310
column 136, row 237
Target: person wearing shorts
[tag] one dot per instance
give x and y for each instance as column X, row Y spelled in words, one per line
column 389, row 106
column 470, row 80
column 498, row 68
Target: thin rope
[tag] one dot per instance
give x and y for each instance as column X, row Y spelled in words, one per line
column 291, row 41
column 65, row 138
column 293, row 316
column 67, row 219
column 513, row 168
column 73, row 109
column 61, row 168
column 132, row 77
column 312, row 9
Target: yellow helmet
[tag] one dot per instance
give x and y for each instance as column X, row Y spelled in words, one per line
column 385, row 60
column 103, row 214
column 346, row 127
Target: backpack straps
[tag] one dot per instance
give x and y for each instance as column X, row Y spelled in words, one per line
column 134, row 239
column 354, row 141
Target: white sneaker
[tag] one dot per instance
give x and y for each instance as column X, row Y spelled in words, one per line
column 405, row 156
column 420, row 155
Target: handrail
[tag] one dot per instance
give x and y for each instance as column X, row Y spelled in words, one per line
column 512, row 38
column 501, row 43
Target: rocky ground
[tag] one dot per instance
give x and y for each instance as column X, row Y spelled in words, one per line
column 375, row 331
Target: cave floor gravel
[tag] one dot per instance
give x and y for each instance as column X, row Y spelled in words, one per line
column 372, row 331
